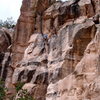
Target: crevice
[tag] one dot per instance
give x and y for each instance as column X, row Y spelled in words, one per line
column 8, row 38
column 30, row 75
column 93, row 5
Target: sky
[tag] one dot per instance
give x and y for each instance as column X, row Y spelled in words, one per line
column 10, row 8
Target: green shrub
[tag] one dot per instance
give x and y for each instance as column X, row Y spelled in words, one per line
column 19, row 86
column 24, row 95
column 2, row 90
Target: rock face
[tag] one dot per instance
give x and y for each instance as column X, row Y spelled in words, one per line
column 5, row 39
column 6, row 70
column 55, row 50
column 28, row 23
column 83, row 83
column 5, row 42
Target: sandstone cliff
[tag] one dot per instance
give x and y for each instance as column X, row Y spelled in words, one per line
column 55, row 50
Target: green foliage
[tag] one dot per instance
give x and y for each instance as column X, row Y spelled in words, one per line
column 19, row 86
column 2, row 90
column 8, row 23
column 24, row 95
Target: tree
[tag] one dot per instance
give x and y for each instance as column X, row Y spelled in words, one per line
column 1, row 23
column 8, row 23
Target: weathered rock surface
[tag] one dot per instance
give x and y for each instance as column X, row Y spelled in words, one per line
column 50, row 61
column 5, row 43
column 83, row 83
column 6, row 70
column 55, row 50
column 5, row 39
column 28, row 22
